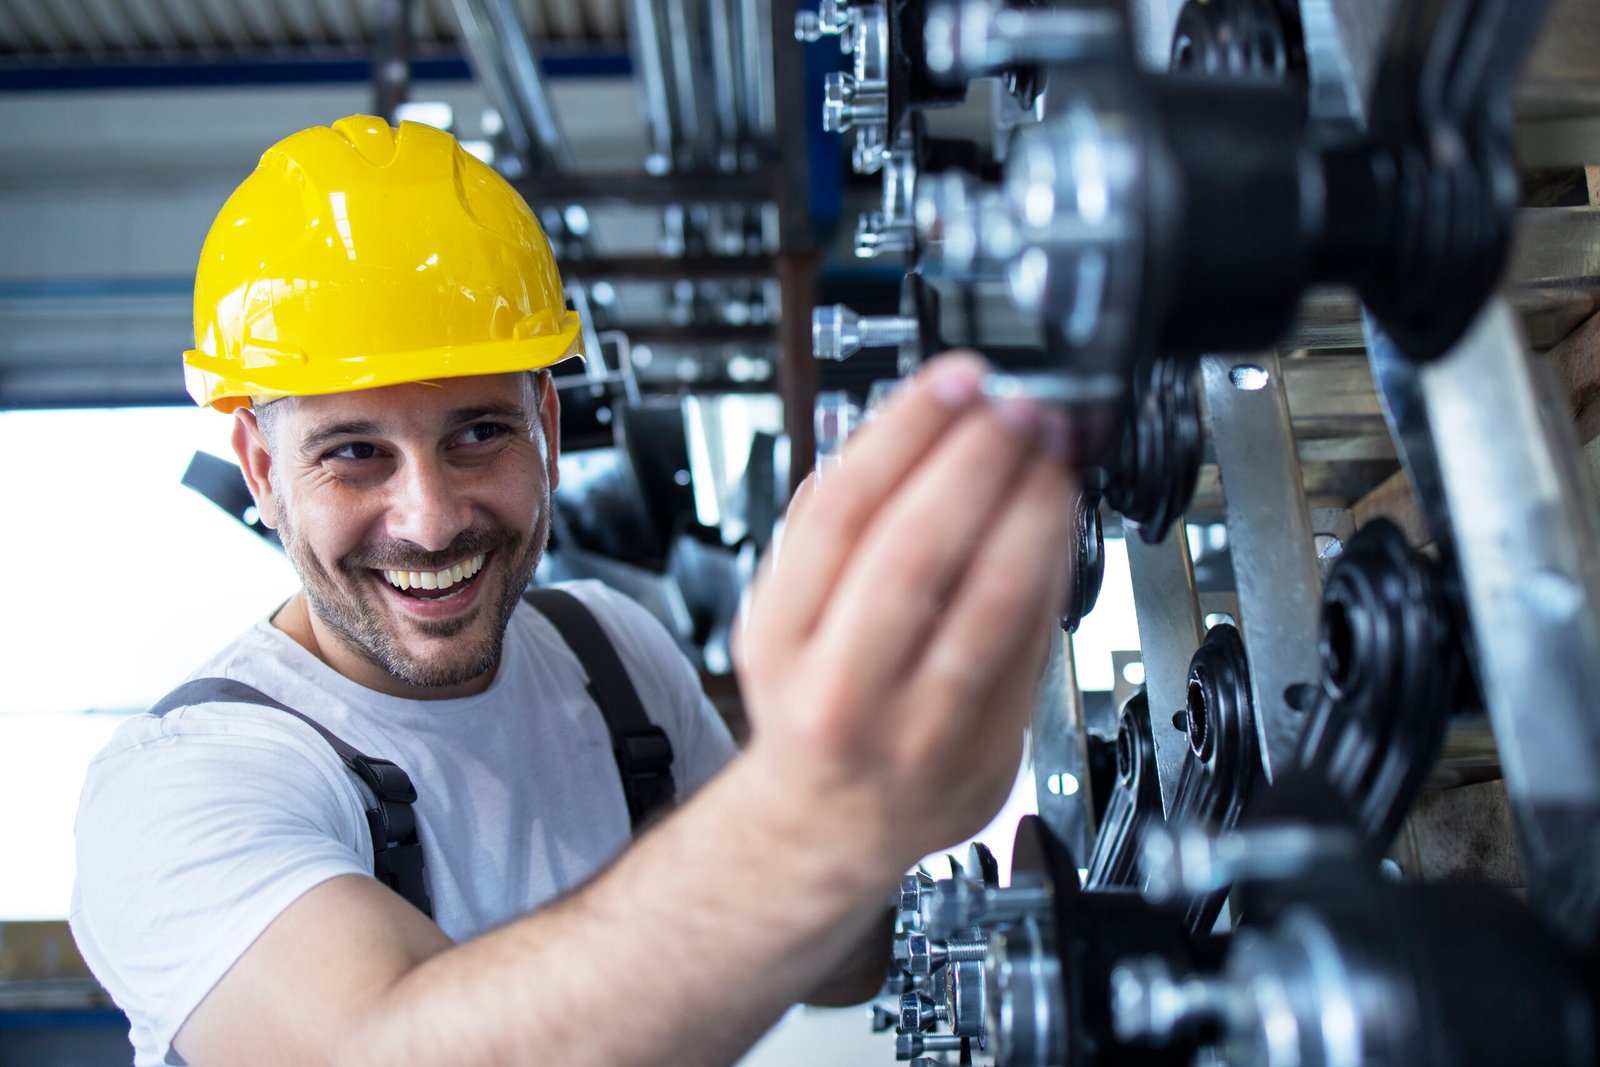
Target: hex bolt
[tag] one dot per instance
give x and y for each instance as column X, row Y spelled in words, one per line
column 959, row 904
column 918, row 1013
column 918, row 954
column 910, row 1046
column 908, row 902
column 839, row 333
column 847, row 103
column 1151, row 1005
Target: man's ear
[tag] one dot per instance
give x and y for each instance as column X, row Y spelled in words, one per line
column 255, row 460
column 550, row 419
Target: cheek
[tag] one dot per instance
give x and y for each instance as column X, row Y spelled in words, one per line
column 331, row 524
column 520, row 497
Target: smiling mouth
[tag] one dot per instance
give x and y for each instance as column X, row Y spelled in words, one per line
column 437, row 584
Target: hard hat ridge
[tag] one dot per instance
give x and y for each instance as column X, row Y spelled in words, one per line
column 361, row 255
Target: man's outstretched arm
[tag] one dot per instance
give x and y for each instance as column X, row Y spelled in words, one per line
column 889, row 661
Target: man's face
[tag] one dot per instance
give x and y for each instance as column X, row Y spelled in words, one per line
column 415, row 516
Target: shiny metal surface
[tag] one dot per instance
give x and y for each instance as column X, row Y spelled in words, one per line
column 503, row 60
column 837, row 332
column 1168, row 612
column 1524, row 525
column 1025, row 992
column 1274, row 557
column 890, row 228
column 1060, row 753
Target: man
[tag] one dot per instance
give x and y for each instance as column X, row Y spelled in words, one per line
column 376, row 308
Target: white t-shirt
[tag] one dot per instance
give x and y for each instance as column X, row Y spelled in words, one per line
column 197, row 829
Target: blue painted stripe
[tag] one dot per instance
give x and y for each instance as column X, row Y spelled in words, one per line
column 40, row 77
column 81, row 288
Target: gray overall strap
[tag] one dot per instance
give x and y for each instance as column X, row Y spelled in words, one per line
column 396, row 848
column 642, row 749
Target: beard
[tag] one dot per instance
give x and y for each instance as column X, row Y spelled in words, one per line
column 345, row 602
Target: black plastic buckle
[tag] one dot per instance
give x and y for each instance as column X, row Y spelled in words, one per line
column 644, row 752
column 387, row 781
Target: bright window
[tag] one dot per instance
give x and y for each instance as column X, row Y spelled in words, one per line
column 120, row 582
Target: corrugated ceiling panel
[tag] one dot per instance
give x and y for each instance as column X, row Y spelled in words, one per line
column 265, row 26
column 75, row 14
column 39, row 28
column 340, row 18
column 139, row 29
column 155, row 29
column 10, row 32
column 113, row 24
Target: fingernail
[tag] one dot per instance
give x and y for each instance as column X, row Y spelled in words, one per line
column 1020, row 416
column 954, row 383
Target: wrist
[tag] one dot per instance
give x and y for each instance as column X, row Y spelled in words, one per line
column 831, row 830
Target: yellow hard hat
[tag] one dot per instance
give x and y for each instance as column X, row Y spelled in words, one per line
column 359, row 256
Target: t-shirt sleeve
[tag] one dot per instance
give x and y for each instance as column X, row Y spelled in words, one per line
column 669, row 687
column 190, row 841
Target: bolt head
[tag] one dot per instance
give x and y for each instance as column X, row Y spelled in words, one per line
column 807, row 27
column 836, row 334
column 838, row 91
column 910, row 1013
column 919, row 954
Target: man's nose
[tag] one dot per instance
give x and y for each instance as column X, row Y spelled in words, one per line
column 428, row 506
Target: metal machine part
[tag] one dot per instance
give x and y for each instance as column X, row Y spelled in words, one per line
column 1393, row 672
column 1186, row 213
column 1516, row 515
column 939, row 953
column 1134, row 803
column 1237, row 38
column 1089, row 564
column 890, row 229
column 1155, row 472
column 1223, row 768
column 1347, row 968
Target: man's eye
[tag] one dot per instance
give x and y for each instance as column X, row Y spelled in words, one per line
column 482, row 432
column 354, row 450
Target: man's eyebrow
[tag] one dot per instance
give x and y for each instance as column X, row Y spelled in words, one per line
column 321, row 435
column 514, row 412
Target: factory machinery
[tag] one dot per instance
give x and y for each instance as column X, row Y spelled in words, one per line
column 1294, row 269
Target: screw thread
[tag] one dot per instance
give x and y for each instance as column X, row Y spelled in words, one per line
column 887, row 331
column 966, row 951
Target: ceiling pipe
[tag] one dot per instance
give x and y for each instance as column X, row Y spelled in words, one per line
column 503, row 59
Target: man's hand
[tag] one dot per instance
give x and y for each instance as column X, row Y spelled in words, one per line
column 895, row 639
column 890, row 659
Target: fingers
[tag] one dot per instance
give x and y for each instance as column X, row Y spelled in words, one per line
column 826, row 519
column 914, row 555
column 992, row 637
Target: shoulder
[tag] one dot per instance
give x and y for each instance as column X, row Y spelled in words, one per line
column 219, row 735
column 638, row 636
column 667, row 683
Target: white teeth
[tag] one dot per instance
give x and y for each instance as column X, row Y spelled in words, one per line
column 442, row 579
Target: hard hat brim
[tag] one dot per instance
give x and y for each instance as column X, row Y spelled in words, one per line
column 219, row 383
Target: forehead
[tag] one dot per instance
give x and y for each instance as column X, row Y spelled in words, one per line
column 419, row 406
